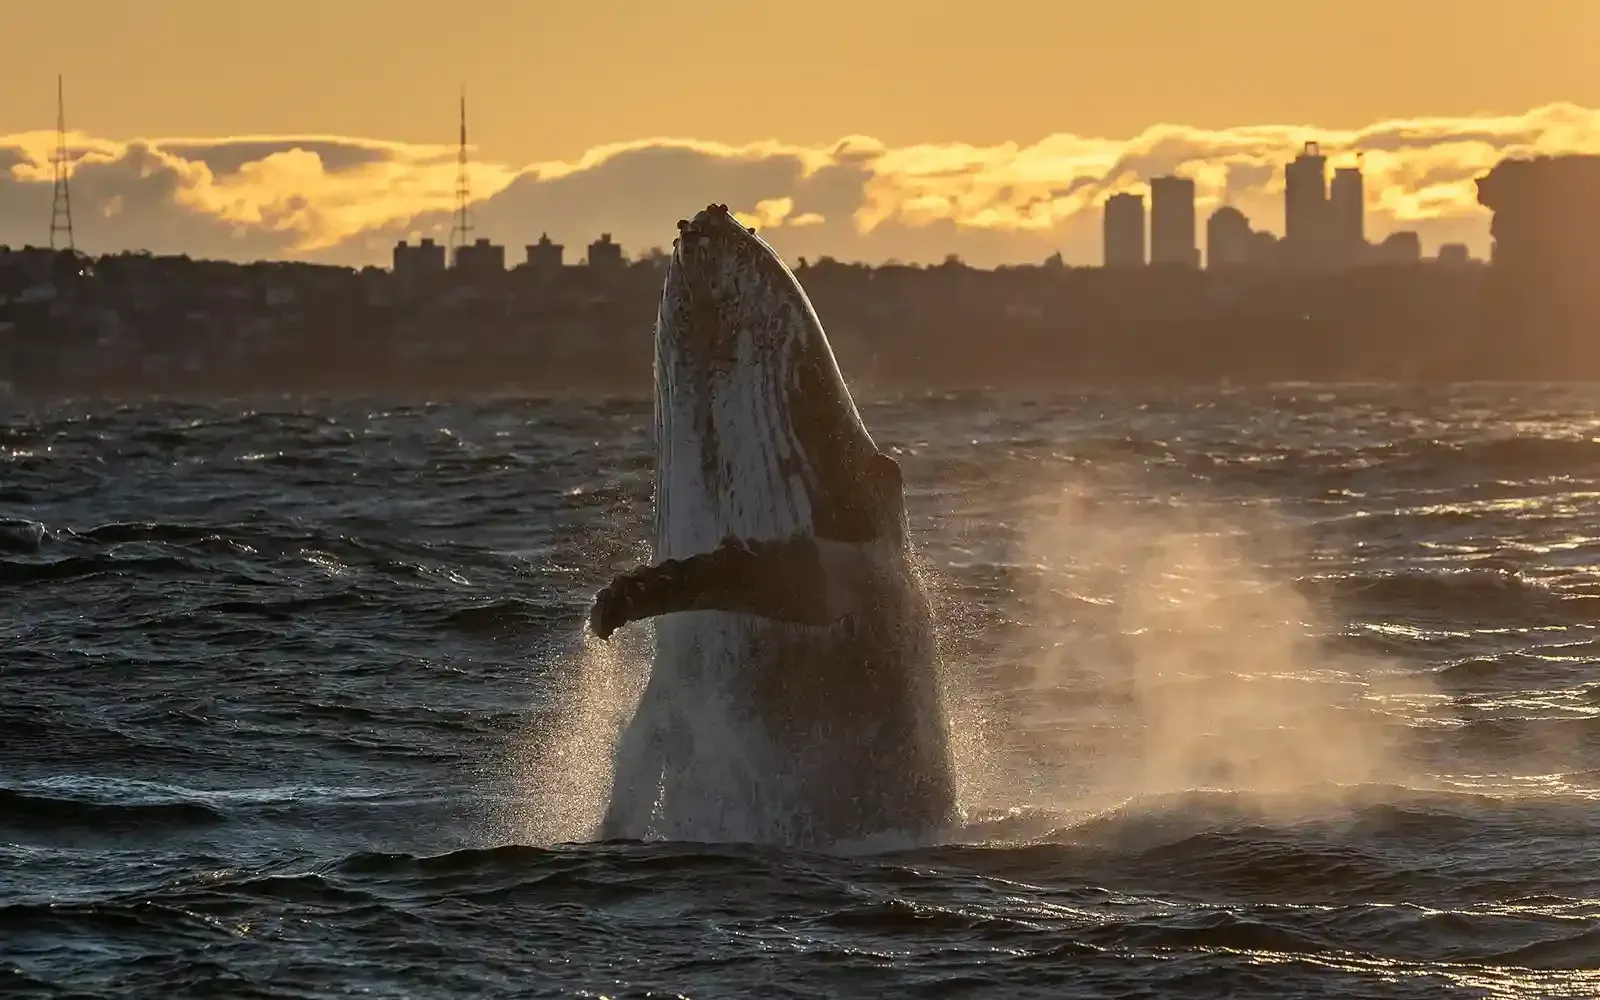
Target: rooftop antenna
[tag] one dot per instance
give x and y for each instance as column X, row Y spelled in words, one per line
column 461, row 232
column 61, row 202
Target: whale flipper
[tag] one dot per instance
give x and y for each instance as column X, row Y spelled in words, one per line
column 785, row 581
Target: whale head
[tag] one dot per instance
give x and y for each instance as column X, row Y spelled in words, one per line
column 757, row 436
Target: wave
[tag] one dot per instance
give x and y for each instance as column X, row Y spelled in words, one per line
column 510, row 615
column 1383, row 840
column 20, row 535
column 118, row 806
column 71, row 568
column 1471, row 594
column 36, row 733
column 1152, row 894
column 33, row 812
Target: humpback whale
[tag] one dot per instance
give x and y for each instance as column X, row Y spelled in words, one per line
column 794, row 695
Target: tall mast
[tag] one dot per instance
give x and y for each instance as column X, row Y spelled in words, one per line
column 61, row 200
column 461, row 232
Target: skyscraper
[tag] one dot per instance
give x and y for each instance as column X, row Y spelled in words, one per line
column 1305, row 208
column 1229, row 241
column 1124, row 231
column 1172, row 229
column 1545, row 258
column 1347, row 215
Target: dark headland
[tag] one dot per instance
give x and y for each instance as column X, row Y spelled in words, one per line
column 134, row 323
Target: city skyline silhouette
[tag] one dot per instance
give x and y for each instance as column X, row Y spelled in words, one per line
column 864, row 135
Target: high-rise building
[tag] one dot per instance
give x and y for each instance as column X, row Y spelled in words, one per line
column 417, row 263
column 1305, row 208
column 544, row 257
column 1401, row 247
column 1229, row 240
column 1545, row 211
column 481, row 258
column 605, row 256
column 1347, row 216
column 1545, row 264
column 1172, row 228
column 1124, row 231
column 1266, row 249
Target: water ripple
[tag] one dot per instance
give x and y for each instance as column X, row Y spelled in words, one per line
column 1276, row 692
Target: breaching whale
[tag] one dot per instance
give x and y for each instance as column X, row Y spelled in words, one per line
column 794, row 696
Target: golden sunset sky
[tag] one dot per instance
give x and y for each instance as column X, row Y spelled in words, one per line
column 863, row 129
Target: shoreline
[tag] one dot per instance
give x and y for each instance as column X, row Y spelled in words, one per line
column 537, row 390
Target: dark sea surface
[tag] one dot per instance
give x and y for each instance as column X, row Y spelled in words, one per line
column 1280, row 692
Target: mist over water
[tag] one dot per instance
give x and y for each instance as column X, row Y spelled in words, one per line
column 1255, row 693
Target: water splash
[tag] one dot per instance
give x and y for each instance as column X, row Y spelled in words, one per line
column 558, row 768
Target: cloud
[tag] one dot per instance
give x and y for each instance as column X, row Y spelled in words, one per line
column 347, row 200
column 231, row 156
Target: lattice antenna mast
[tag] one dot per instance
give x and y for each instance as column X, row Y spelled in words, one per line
column 461, row 232
column 61, row 201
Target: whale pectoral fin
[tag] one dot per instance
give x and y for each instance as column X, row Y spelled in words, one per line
column 869, row 507
column 779, row 580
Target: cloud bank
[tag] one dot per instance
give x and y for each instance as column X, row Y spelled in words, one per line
column 337, row 199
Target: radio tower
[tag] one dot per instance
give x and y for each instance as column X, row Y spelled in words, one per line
column 461, row 232
column 61, row 203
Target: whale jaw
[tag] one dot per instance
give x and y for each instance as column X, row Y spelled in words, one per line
column 758, row 438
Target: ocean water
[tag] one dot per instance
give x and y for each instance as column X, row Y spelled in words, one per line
column 1282, row 692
